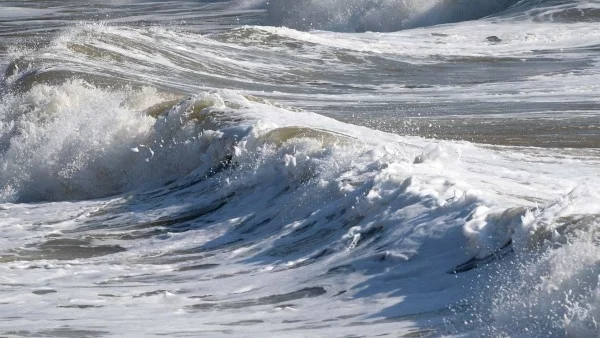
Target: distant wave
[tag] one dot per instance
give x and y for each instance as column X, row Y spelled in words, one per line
column 375, row 15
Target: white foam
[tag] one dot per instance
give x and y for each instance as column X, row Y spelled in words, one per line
column 75, row 141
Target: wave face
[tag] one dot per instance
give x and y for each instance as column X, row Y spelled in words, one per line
column 182, row 168
column 376, row 15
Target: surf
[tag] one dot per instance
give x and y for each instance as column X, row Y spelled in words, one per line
column 189, row 178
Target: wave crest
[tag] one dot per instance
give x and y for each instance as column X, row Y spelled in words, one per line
column 77, row 141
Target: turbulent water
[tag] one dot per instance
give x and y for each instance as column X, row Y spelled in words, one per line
column 334, row 168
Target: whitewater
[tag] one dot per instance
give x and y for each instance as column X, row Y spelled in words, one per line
column 251, row 168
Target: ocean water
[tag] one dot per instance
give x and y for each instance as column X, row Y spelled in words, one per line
column 300, row 168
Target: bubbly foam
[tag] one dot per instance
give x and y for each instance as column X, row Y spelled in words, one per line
column 77, row 141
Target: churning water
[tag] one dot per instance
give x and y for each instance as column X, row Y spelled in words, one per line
column 300, row 168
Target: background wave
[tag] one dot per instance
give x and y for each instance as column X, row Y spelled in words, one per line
column 376, row 15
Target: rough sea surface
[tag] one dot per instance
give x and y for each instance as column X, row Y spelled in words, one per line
column 300, row 168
